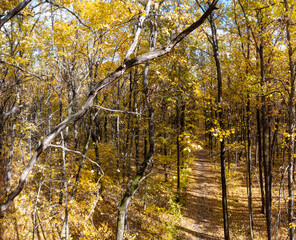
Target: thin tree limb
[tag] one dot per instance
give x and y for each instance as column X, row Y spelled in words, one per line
column 113, row 110
column 23, row 70
column 77, row 152
column 71, row 12
column 138, row 32
column 89, row 101
column 14, row 12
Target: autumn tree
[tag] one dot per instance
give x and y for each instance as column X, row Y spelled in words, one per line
column 75, row 49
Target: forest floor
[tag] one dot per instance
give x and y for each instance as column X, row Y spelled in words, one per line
column 202, row 211
column 202, row 215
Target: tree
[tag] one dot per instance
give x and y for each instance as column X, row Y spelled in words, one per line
column 291, row 121
column 215, row 46
column 127, row 63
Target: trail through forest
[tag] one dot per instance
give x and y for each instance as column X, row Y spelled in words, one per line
column 202, row 215
column 202, row 212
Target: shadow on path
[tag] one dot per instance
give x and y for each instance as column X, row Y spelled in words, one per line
column 202, row 215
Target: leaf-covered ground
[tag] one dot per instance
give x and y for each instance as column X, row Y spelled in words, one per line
column 202, row 216
column 202, row 212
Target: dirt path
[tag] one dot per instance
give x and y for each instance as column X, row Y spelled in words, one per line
column 202, row 215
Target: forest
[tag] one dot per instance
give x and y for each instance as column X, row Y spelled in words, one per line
column 122, row 119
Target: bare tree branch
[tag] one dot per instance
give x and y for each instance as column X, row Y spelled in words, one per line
column 13, row 110
column 71, row 12
column 77, row 152
column 138, row 32
column 23, row 70
column 14, row 12
column 89, row 101
column 119, row 111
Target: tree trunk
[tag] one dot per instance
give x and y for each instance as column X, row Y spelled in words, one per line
column 82, row 163
column 133, row 186
column 2, row 175
column 291, row 129
column 8, row 165
column 260, row 161
column 178, row 151
column 215, row 46
column 266, row 163
column 249, row 157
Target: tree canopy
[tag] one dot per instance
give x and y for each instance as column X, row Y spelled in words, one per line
column 104, row 104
